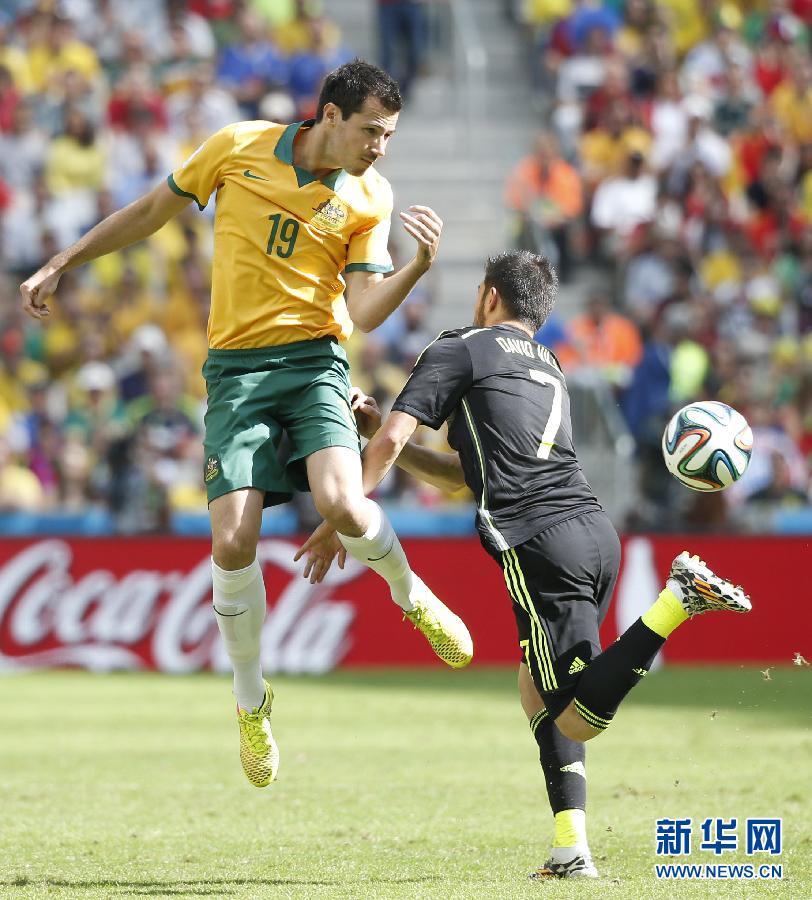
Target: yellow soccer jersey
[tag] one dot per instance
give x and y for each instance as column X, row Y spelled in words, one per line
column 282, row 238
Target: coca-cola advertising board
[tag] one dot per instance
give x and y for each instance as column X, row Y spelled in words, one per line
column 133, row 603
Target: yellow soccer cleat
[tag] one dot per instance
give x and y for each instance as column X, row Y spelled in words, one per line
column 446, row 632
column 258, row 751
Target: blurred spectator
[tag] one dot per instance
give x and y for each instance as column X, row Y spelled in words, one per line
column 53, row 50
column 669, row 122
column 705, row 65
column 16, row 371
column 198, row 34
column 13, row 57
column 143, row 356
column 736, row 104
column 23, row 149
column 779, row 491
column 603, row 340
column 9, row 99
column 402, row 36
column 34, row 432
column 372, row 372
column 651, row 275
column 96, row 416
column 20, row 489
column 646, row 402
column 770, row 441
column 74, row 466
column 317, row 56
column 253, row 65
column 75, row 160
column 553, row 334
column 136, row 102
column 585, row 69
column 544, row 192
column 792, row 99
column 605, row 150
column 296, row 34
column 624, row 201
column 167, row 432
column 137, row 162
column 613, row 92
column 214, row 108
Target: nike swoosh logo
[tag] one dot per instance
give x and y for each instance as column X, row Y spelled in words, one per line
column 376, row 558
column 230, row 615
column 249, row 174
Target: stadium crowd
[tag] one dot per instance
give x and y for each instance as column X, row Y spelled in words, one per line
column 677, row 158
column 99, row 100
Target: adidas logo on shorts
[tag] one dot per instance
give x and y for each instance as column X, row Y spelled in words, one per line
column 578, row 665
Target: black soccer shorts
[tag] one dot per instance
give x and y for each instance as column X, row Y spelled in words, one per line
column 561, row 583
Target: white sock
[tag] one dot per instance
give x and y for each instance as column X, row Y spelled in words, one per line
column 238, row 598
column 380, row 550
column 565, row 854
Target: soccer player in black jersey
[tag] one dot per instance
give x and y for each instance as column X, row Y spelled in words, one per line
column 506, row 403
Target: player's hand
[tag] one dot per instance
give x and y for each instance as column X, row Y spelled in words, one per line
column 321, row 547
column 425, row 226
column 367, row 414
column 37, row 289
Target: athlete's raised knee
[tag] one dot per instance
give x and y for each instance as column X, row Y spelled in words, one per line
column 572, row 724
column 343, row 510
column 233, row 550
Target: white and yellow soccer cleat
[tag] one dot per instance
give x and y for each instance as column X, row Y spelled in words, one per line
column 702, row 590
column 258, row 751
column 446, row 632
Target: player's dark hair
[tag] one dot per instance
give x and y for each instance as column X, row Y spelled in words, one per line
column 350, row 85
column 526, row 282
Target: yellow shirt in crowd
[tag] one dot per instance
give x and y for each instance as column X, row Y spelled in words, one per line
column 282, row 238
column 47, row 66
column 793, row 109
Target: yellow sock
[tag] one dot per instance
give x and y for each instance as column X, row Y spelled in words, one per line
column 665, row 614
column 570, row 828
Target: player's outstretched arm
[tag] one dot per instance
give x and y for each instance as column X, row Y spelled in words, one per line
column 370, row 298
column 390, row 445
column 442, row 470
column 133, row 223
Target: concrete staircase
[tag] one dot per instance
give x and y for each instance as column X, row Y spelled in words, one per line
column 453, row 157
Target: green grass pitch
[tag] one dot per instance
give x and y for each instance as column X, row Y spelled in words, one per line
column 400, row 784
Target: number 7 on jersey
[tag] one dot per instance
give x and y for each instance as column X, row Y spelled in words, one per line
column 554, row 422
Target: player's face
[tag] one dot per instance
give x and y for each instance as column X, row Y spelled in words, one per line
column 360, row 141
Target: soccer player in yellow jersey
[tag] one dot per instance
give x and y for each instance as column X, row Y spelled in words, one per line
column 300, row 235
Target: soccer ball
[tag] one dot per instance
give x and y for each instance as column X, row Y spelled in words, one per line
column 707, row 446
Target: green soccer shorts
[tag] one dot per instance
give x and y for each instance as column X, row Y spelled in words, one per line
column 257, row 396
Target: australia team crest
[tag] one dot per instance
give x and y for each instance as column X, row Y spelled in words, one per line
column 212, row 469
column 331, row 215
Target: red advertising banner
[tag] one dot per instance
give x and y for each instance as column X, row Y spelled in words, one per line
column 131, row 603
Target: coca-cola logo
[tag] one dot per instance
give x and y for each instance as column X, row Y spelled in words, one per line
column 161, row 619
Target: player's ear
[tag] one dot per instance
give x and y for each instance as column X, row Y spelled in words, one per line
column 331, row 113
column 493, row 299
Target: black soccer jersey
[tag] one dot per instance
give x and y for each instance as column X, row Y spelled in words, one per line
column 509, row 418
